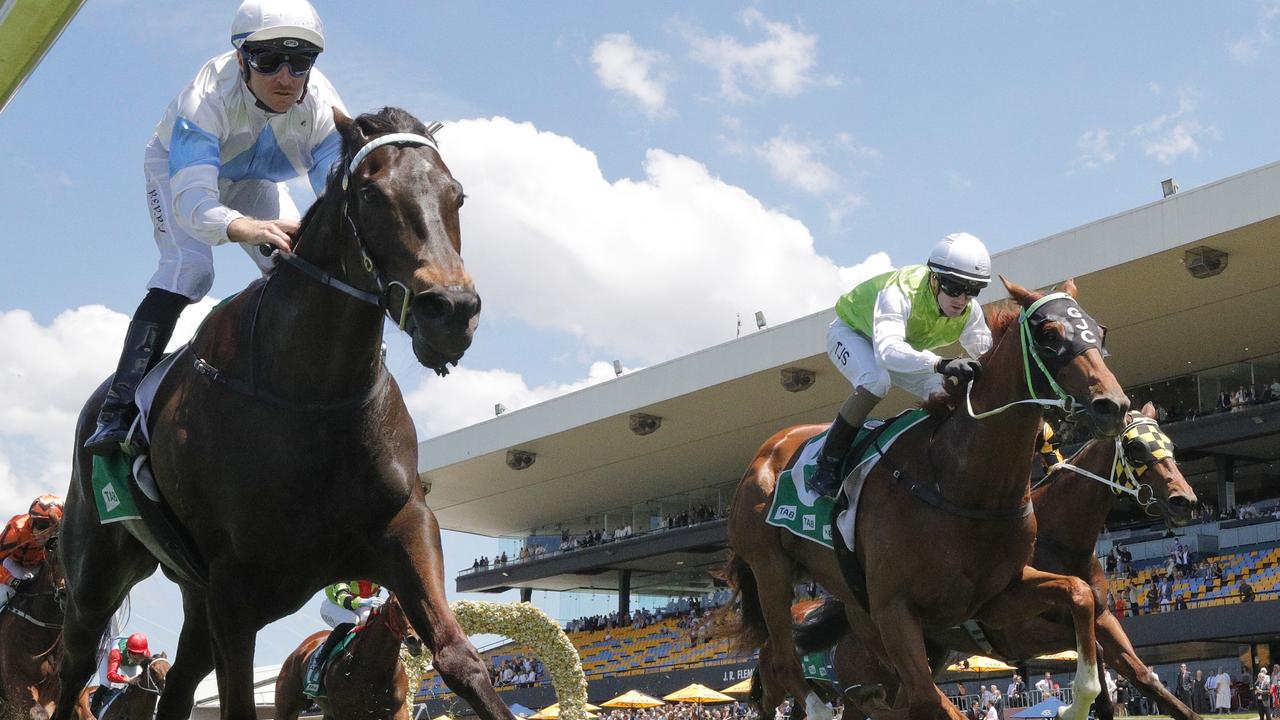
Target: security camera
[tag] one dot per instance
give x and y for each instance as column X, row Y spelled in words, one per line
column 796, row 379
column 644, row 424
column 520, row 459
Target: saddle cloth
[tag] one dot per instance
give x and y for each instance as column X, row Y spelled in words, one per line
column 313, row 682
column 808, row 515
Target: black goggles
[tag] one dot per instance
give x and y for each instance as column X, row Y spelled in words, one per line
column 268, row 60
column 958, row 288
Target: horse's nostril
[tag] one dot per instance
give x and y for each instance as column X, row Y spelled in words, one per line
column 434, row 305
column 1105, row 407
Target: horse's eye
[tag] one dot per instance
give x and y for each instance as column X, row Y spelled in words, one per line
column 370, row 194
column 462, row 198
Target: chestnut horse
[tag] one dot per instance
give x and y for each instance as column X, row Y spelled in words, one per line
column 30, row 640
column 283, row 446
column 367, row 680
column 1071, row 508
column 137, row 701
column 969, row 473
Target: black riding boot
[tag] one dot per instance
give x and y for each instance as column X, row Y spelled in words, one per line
column 826, row 479
column 144, row 343
column 322, row 653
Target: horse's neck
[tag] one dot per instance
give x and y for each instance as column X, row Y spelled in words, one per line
column 1071, row 509
column 321, row 343
column 986, row 463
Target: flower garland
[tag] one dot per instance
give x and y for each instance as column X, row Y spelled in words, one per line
column 525, row 624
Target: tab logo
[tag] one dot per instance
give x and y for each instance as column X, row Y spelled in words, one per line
column 810, row 522
column 110, row 498
column 826, row 532
column 785, row 512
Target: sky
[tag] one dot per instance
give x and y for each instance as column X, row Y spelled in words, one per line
column 639, row 176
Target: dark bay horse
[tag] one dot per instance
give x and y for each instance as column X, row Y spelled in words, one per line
column 1071, row 509
column 978, row 514
column 283, row 446
column 367, row 680
column 30, row 641
column 138, row 700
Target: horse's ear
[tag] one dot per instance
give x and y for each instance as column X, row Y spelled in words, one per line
column 347, row 129
column 1149, row 411
column 1069, row 287
column 1021, row 295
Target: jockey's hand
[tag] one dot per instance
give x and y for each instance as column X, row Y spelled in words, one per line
column 962, row 369
column 276, row 233
column 376, row 602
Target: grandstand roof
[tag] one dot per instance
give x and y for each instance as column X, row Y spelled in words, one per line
column 720, row 403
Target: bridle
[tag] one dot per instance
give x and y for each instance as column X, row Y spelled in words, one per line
column 148, row 681
column 1125, row 471
column 1084, row 334
column 382, row 298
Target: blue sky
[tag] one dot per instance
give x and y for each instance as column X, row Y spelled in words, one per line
column 638, row 174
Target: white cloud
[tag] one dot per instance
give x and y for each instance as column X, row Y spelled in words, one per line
column 1247, row 48
column 795, row 162
column 467, row 396
column 1095, row 149
column 647, row 268
column 784, row 63
column 1173, row 134
column 46, row 374
column 633, row 72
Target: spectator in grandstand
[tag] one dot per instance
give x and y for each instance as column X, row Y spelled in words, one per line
column 1262, row 694
column 252, row 118
column 1221, row 691
column 1245, row 589
column 1132, row 593
column 990, row 712
column 1224, row 402
column 1045, row 686
column 1166, row 594
column 1014, row 694
column 1273, row 390
column 1181, row 602
column 886, row 328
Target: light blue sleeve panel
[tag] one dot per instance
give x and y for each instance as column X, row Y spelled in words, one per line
column 191, row 145
column 328, row 152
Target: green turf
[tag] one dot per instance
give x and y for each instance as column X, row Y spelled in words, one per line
column 26, row 33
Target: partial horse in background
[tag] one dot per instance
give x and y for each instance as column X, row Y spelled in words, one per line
column 31, row 641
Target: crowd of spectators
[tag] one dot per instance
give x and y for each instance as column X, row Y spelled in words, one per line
column 600, row 536
column 692, row 612
column 1157, row 594
column 688, row 711
column 518, row 671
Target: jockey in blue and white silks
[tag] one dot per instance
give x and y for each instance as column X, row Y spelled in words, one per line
column 252, row 118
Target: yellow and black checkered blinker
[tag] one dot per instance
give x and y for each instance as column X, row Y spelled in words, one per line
column 1144, row 445
column 1048, row 450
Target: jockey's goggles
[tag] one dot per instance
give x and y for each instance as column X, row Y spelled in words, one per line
column 267, row 60
column 958, row 288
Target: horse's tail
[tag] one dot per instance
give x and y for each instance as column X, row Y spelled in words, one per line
column 822, row 628
column 747, row 631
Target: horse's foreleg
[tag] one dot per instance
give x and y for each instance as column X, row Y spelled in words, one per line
column 1039, row 591
column 1119, row 654
column 192, row 662
column 902, row 638
column 413, row 567
column 768, row 692
column 1102, row 707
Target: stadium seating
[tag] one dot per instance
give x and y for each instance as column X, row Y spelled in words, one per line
column 627, row 651
column 1262, row 567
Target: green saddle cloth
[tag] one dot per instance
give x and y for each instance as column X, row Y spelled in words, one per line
column 313, row 683
column 807, row 514
column 112, row 477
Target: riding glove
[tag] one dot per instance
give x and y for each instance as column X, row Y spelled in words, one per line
column 959, row 368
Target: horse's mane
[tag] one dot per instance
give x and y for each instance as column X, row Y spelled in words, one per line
column 1001, row 317
column 384, row 121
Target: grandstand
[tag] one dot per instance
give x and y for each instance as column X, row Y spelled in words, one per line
column 1177, row 337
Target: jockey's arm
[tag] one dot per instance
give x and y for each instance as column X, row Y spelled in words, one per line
column 975, row 338
column 113, row 667
column 889, row 325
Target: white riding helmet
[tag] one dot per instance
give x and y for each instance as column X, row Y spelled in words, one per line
column 273, row 19
column 962, row 256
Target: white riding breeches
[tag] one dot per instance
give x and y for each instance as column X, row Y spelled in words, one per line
column 855, row 358
column 334, row 614
column 186, row 263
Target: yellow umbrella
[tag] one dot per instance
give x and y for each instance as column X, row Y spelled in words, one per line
column 1064, row 656
column 442, row 717
column 696, row 693
column 979, row 664
column 551, row 712
column 742, row 687
column 632, row 699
